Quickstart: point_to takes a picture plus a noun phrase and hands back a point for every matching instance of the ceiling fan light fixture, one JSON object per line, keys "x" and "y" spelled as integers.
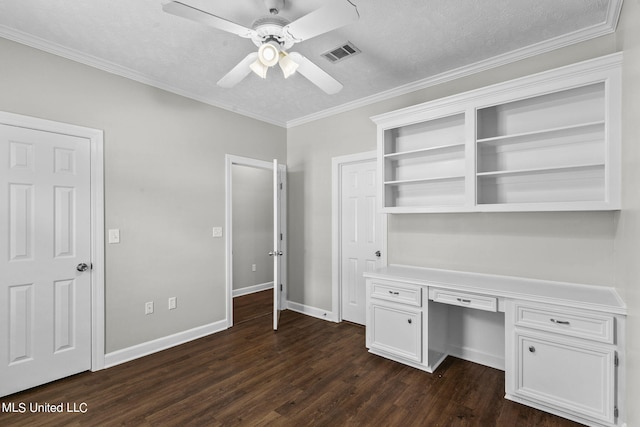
{"x": 259, "y": 68}
{"x": 287, "y": 65}
{"x": 269, "y": 54}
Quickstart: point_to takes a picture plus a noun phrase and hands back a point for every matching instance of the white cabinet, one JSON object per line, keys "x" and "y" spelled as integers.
{"x": 550, "y": 141}
{"x": 563, "y": 360}
{"x": 398, "y": 318}
{"x": 564, "y": 343}
{"x": 396, "y": 331}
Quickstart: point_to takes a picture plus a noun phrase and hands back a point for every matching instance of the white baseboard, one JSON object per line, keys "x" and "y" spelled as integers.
{"x": 476, "y": 356}
{"x": 312, "y": 311}
{"x": 126, "y": 354}
{"x": 251, "y": 289}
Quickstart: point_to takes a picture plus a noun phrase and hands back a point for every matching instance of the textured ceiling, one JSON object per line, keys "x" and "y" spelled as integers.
{"x": 404, "y": 44}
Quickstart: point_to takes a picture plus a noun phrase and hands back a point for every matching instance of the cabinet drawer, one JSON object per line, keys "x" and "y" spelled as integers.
{"x": 593, "y": 326}
{"x": 402, "y": 293}
{"x": 463, "y": 299}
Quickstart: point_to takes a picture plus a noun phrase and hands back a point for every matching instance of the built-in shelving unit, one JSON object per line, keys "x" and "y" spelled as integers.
{"x": 550, "y": 141}
{"x": 424, "y": 163}
{"x": 542, "y": 149}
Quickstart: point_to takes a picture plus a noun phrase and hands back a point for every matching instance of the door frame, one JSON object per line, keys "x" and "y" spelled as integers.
{"x": 230, "y": 160}
{"x": 96, "y": 148}
{"x": 337, "y": 163}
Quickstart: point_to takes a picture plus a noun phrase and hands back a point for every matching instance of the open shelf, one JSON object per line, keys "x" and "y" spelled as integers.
{"x": 444, "y": 191}
{"x": 550, "y": 141}
{"x": 584, "y": 183}
{"x": 417, "y": 181}
{"x": 426, "y": 151}
{"x": 563, "y": 131}
{"x": 556, "y": 110}
{"x": 542, "y": 170}
{"x": 431, "y": 134}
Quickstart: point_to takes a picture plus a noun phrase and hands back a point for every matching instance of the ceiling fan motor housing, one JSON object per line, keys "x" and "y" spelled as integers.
{"x": 270, "y": 28}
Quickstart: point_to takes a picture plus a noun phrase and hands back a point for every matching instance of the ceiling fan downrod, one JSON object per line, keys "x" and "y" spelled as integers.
{"x": 274, "y": 6}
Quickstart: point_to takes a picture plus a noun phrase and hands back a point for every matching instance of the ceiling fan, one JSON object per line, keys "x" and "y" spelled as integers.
{"x": 274, "y": 35}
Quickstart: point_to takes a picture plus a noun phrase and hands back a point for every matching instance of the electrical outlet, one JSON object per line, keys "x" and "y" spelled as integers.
{"x": 217, "y": 231}
{"x": 148, "y": 307}
{"x": 173, "y": 303}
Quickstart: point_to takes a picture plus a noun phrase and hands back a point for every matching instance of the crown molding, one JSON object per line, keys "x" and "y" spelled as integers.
{"x": 598, "y": 30}
{"x": 604, "y": 28}
{"x": 110, "y": 67}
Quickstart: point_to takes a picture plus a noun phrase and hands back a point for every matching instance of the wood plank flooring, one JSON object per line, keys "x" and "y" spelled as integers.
{"x": 309, "y": 372}
{"x": 253, "y": 305}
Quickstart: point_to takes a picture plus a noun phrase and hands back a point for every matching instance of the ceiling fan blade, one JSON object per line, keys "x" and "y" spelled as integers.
{"x": 315, "y": 74}
{"x": 185, "y": 11}
{"x": 334, "y": 14}
{"x": 238, "y": 72}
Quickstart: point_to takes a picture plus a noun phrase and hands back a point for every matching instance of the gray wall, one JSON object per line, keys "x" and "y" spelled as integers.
{"x": 164, "y": 185}
{"x": 252, "y": 225}
{"x": 554, "y": 246}
{"x": 627, "y": 243}
{"x": 588, "y": 247}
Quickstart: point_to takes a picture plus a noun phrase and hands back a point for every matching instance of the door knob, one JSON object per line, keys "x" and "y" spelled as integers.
{"x": 378, "y": 254}
{"x": 82, "y": 267}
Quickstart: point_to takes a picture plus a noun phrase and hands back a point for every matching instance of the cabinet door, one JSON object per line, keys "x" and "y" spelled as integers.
{"x": 573, "y": 377}
{"x": 396, "y": 331}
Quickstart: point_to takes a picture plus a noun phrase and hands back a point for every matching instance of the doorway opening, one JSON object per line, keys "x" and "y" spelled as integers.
{"x": 252, "y": 239}
{"x": 255, "y": 238}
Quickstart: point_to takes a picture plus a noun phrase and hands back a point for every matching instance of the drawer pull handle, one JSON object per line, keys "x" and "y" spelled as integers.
{"x": 465, "y": 301}
{"x": 560, "y": 322}
{"x": 394, "y": 293}
{"x": 532, "y": 349}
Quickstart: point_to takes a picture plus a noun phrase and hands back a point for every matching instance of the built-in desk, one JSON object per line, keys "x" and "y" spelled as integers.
{"x": 561, "y": 345}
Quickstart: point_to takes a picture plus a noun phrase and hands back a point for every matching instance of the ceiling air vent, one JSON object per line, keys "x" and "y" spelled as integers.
{"x": 340, "y": 53}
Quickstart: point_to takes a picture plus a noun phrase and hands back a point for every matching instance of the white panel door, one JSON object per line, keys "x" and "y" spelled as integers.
{"x": 45, "y": 306}
{"x": 278, "y": 253}
{"x": 361, "y": 235}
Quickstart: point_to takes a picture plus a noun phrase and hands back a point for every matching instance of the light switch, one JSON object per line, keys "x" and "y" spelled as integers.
{"x": 217, "y": 231}
{"x": 114, "y": 235}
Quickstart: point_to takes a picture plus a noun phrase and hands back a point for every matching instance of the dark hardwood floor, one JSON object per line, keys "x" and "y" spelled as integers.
{"x": 248, "y": 307}
{"x": 309, "y": 372}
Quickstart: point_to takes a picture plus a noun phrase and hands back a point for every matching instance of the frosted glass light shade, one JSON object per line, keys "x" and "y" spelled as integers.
{"x": 259, "y": 68}
{"x": 287, "y": 65}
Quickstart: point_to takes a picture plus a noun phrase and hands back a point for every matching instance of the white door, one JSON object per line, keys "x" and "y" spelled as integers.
{"x": 360, "y": 235}
{"x": 45, "y": 220}
{"x": 279, "y": 257}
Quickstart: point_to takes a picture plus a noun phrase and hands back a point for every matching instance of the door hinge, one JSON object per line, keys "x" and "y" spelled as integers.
{"x": 280, "y": 236}
{"x": 280, "y": 287}
{"x": 281, "y": 186}
{"x": 616, "y": 361}
{"x": 615, "y": 412}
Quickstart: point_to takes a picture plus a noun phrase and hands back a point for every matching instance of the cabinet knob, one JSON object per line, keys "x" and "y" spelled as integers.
{"x": 409, "y": 320}
{"x": 532, "y": 349}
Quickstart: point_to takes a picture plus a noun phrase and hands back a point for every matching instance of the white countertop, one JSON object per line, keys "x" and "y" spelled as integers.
{"x": 600, "y": 298}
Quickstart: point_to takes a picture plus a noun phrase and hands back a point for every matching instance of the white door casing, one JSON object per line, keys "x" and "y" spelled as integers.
{"x": 50, "y": 225}
{"x": 359, "y": 232}
{"x": 279, "y": 176}
{"x": 279, "y": 257}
